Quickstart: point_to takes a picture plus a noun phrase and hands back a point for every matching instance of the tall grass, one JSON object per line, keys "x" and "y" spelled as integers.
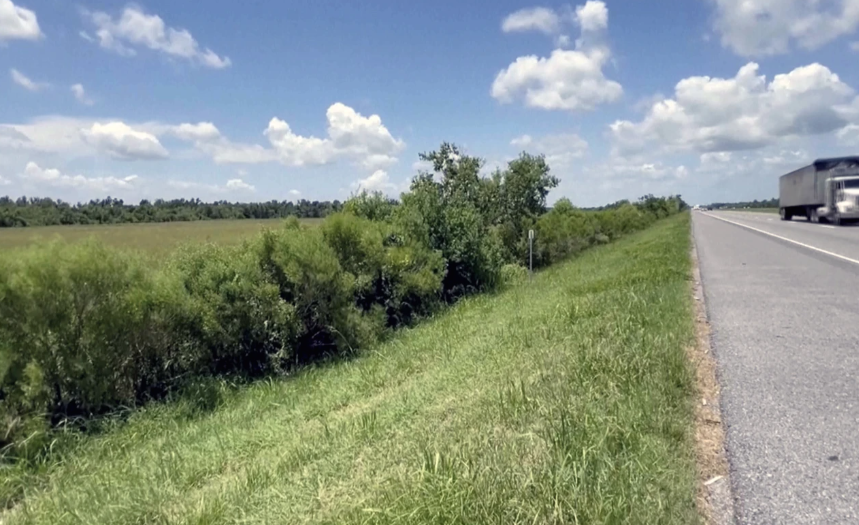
{"x": 566, "y": 400}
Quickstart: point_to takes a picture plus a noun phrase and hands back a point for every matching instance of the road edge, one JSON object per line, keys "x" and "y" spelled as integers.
{"x": 714, "y": 499}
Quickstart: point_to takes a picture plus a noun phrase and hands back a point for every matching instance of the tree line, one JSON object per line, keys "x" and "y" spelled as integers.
{"x": 768, "y": 203}
{"x": 48, "y": 212}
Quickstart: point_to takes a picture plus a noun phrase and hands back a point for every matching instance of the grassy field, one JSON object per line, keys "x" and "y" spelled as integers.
{"x": 150, "y": 237}
{"x": 566, "y": 400}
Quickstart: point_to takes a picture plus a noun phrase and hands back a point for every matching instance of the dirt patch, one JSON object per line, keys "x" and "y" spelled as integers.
{"x": 713, "y": 495}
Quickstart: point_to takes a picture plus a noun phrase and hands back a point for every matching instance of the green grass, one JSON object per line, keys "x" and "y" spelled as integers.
{"x": 150, "y": 237}
{"x": 567, "y": 400}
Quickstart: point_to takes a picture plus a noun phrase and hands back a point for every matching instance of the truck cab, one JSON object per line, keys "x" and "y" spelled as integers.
{"x": 842, "y": 199}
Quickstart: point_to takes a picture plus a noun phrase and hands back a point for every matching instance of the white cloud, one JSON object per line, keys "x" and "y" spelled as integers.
{"x": 202, "y": 132}
{"x": 560, "y": 150}
{"x": 378, "y": 181}
{"x": 80, "y": 94}
{"x": 17, "y": 23}
{"x": 568, "y": 80}
{"x": 231, "y": 186}
{"x": 744, "y": 112}
{"x": 25, "y": 82}
{"x": 4, "y": 181}
{"x": 571, "y": 80}
{"x": 540, "y": 19}
{"x": 239, "y": 184}
{"x": 593, "y": 16}
{"x": 365, "y": 140}
{"x": 136, "y": 28}
{"x": 120, "y": 141}
{"x": 854, "y": 46}
{"x": 524, "y": 140}
{"x": 770, "y": 27}
{"x": 52, "y": 177}
{"x": 849, "y": 135}
{"x": 295, "y": 193}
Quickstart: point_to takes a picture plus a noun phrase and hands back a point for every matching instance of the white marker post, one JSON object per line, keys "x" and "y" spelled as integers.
{"x": 530, "y": 254}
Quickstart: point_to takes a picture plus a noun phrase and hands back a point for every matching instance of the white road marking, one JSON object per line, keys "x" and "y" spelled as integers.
{"x": 808, "y": 246}
{"x": 825, "y": 226}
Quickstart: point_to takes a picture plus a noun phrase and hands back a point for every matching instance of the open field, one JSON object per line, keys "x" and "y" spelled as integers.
{"x": 150, "y": 237}
{"x": 566, "y": 400}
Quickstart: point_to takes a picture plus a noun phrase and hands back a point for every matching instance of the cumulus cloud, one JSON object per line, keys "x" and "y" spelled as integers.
{"x": 771, "y": 27}
{"x": 80, "y": 94}
{"x": 593, "y": 16}
{"x": 17, "y": 23}
{"x": 53, "y": 177}
{"x": 570, "y": 80}
{"x": 25, "y": 82}
{"x": 134, "y": 28}
{"x": 540, "y": 19}
{"x": 231, "y": 186}
{"x": 4, "y": 181}
{"x": 560, "y": 150}
{"x": 745, "y": 112}
{"x": 849, "y": 135}
{"x": 120, "y": 141}
{"x": 350, "y": 135}
{"x": 202, "y": 132}
{"x": 378, "y": 181}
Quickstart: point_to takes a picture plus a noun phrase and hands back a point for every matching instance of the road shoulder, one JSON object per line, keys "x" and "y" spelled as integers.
{"x": 714, "y": 489}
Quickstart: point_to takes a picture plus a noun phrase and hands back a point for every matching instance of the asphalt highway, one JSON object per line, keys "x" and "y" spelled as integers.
{"x": 783, "y": 302}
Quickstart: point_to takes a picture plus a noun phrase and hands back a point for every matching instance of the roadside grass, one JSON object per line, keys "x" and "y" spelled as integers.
{"x": 566, "y": 400}
{"x": 154, "y": 237}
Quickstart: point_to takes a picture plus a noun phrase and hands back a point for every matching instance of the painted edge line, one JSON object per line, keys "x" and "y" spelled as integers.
{"x": 807, "y": 246}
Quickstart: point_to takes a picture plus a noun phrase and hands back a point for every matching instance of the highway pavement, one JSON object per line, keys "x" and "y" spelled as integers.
{"x": 783, "y": 302}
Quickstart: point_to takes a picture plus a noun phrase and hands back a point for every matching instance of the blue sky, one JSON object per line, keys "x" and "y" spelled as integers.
{"x": 712, "y": 99}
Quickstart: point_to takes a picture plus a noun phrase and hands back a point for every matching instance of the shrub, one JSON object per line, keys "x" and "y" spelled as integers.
{"x": 84, "y": 328}
{"x": 374, "y": 206}
{"x": 403, "y": 278}
{"x": 308, "y": 275}
{"x": 235, "y": 319}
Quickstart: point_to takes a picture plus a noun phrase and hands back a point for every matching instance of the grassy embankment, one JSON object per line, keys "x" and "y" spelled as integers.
{"x": 567, "y": 400}
{"x": 157, "y": 238}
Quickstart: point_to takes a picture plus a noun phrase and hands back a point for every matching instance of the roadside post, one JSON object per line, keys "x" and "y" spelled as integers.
{"x": 530, "y": 255}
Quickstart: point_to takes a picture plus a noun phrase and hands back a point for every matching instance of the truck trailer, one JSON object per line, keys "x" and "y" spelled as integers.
{"x": 827, "y": 190}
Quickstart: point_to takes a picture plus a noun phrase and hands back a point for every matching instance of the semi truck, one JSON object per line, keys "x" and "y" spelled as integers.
{"x": 827, "y": 190}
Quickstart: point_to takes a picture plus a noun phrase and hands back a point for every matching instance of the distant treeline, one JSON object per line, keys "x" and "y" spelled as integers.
{"x": 46, "y": 211}
{"x": 769, "y": 203}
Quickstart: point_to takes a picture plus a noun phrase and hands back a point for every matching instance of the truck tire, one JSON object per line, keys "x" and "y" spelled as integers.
{"x": 836, "y": 219}
{"x": 784, "y": 214}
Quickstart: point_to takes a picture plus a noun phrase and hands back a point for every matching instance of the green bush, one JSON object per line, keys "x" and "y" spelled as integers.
{"x": 84, "y": 329}
{"x": 234, "y": 318}
{"x": 401, "y": 277}
{"x": 309, "y": 276}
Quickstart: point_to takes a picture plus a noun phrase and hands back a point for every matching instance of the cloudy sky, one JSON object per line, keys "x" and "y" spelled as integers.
{"x": 712, "y": 99}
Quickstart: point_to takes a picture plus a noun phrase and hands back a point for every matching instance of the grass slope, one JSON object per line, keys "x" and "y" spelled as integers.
{"x": 567, "y": 400}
